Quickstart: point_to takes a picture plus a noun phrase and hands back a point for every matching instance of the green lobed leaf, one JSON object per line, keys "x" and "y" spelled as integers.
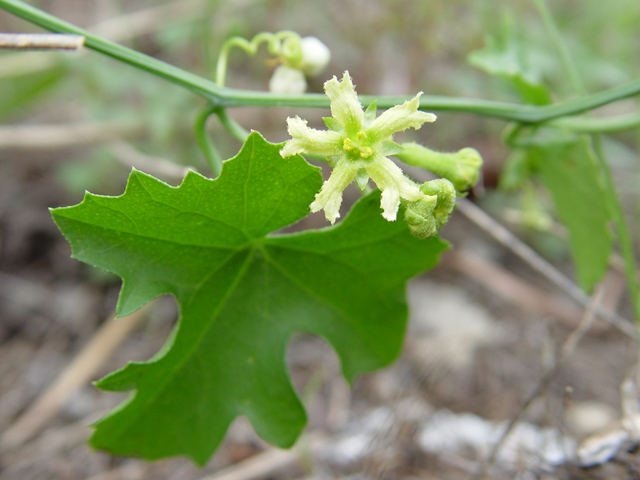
{"x": 242, "y": 293}
{"x": 569, "y": 170}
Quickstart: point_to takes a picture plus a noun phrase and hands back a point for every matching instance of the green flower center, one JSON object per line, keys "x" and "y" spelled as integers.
{"x": 356, "y": 147}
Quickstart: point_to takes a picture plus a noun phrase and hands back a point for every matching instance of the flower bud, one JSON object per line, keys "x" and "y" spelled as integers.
{"x": 446, "y": 194}
{"x": 287, "y": 80}
{"x": 424, "y": 217}
{"x": 461, "y": 168}
{"x": 420, "y": 219}
{"x": 315, "y": 55}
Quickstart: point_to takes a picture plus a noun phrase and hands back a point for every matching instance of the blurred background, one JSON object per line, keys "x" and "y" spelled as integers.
{"x": 484, "y": 326}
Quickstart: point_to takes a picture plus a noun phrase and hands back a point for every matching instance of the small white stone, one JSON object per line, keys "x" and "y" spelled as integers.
{"x": 447, "y": 327}
{"x": 458, "y": 432}
{"x": 601, "y": 447}
{"x": 585, "y": 418}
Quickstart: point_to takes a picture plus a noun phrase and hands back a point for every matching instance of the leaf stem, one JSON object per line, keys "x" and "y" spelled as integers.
{"x": 233, "y": 127}
{"x": 204, "y": 142}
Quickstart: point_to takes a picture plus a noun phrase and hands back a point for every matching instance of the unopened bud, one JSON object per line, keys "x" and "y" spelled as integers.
{"x": 446, "y": 194}
{"x": 315, "y": 55}
{"x": 425, "y": 217}
{"x": 420, "y": 219}
{"x": 286, "y": 80}
{"x": 462, "y": 168}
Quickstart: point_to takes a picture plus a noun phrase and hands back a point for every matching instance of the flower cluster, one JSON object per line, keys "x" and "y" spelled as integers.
{"x": 357, "y": 145}
{"x": 300, "y": 57}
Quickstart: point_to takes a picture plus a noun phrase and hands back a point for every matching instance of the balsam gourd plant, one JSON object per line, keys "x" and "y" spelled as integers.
{"x": 243, "y": 289}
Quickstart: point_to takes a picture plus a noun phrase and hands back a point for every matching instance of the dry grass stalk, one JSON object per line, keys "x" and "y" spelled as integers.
{"x": 539, "y": 264}
{"x": 83, "y": 367}
{"x": 40, "y": 41}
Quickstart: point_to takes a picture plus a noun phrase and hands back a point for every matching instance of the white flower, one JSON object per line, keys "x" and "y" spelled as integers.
{"x": 287, "y": 80}
{"x": 299, "y": 57}
{"x": 357, "y": 144}
{"x": 315, "y": 55}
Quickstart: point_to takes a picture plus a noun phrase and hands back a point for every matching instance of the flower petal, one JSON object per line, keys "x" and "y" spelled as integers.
{"x": 390, "y": 201}
{"x": 330, "y": 196}
{"x": 399, "y": 118}
{"x": 345, "y": 106}
{"x": 394, "y": 185}
{"x": 310, "y": 140}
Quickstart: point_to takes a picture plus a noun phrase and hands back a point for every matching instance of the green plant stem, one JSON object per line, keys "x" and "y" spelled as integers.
{"x": 507, "y": 111}
{"x": 273, "y": 41}
{"x": 233, "y": 127}
{"x": 227, "y": 97}
{"x": 204, "y": 142}
{"x": 598, "y": 125}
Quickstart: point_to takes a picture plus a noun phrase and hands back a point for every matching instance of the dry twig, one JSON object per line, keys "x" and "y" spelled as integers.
{"x": 511, "y": 287}
{"x": 539, "y": 264}
{"x": 119, "y": 29}
{"x": 83, "y": 367}
{"x": 40, "y": 41}
{"x": 263, "y": 465}
{"x": 566, "y": 350}
{"x": 46, "y": 137}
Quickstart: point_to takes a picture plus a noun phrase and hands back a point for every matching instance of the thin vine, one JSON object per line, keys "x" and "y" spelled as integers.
{"x": 228, "y": 97}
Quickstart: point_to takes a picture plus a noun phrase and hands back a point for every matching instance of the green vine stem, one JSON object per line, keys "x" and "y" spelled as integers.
{"x": 214, "y": 160}
{"x": 227, "y": 97}
{"x": 598, "y": 125}
{"x": 231, "y": 125}
{"x": 274, "y": 43}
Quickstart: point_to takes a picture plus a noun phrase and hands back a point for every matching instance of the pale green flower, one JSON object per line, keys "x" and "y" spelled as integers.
{"x": 356, "y": 145}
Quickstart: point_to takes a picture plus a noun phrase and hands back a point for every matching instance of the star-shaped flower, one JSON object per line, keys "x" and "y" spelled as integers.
{"x": 357, "y": 145}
